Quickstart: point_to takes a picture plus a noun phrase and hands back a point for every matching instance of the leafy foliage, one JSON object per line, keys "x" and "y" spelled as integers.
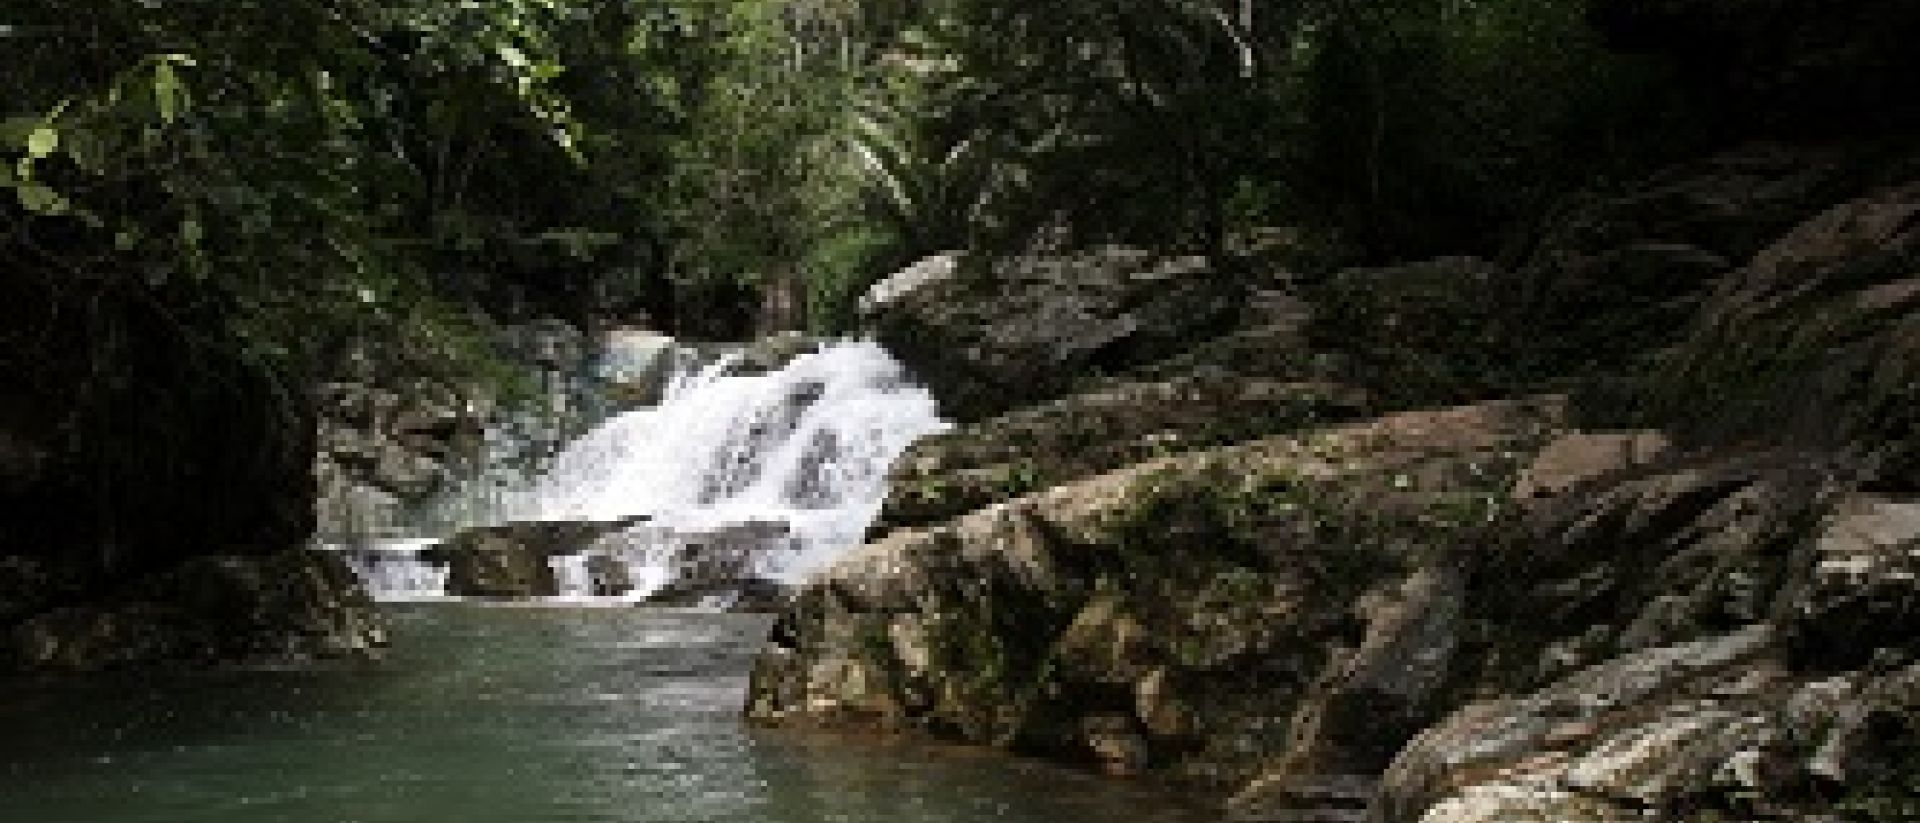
{"x": 300, "y": 175}
{"x": 1408, "y": 128}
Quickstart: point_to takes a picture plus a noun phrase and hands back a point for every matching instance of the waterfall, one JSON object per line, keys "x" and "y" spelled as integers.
{"x": 393, "y": 570}
{"x": 742, "y": 469}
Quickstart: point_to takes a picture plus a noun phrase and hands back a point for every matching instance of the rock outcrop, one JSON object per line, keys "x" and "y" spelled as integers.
{"x": 1035, "y": 326}
{"x": 296, "y": 607}
{"x": 1284, "y": 608}
{"x": 1086, "y": 434}
{"x": 1614, "y": 279}
{"x": 1710, "y": 641}
{"x": 515, "y": 560}
{"x": 1691, "y": 593}
{"x": 396, "y": 437}
{"x": 155, "y": 489}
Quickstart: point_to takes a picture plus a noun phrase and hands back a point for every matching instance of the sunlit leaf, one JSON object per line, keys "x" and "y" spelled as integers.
{"x": 39, "y": 199}
{"x": 166, "y": 91}
{"x": 44, "y": 141}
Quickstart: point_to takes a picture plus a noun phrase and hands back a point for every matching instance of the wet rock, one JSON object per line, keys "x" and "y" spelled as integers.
{"x": 1863, "y": 592}
{"x": 1029, "y": 331}
{"x": 1586, "y": 456}
{"x": 607, "y": 577}
{"x": 774, "y": 352}
{"x": 294, "y": 607}
{"x": 1273, "y": 609}
{"x": 513, "y": 560}
{"x": 1098, "y": 431}
{"x": 1722, "y": 621}
{"x": 384, "y": 443}
{"x": 152, "y": 484}
{"x": 399, "y": 440}
{"x": 638, "y": 366}
{"x": 1392, "y": 620}
{"x": 1721, "y": 724}
{"x": 892, "y": 289}
{"x": 1116, "y": 743}
{"x": 724, "y": 563}
{"x": 1640, "y": 731}
{"x": 1816, "y": 340}
{"x": 752, "y": 594}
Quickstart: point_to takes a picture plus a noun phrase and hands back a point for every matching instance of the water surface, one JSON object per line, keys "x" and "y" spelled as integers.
{"x": 485, "y": 714}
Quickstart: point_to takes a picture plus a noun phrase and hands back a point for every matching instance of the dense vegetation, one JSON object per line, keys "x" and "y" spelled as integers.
{"x": 351, "y": 168}
{"x": 334, "y": 168}
{"x": 308, "y": 172}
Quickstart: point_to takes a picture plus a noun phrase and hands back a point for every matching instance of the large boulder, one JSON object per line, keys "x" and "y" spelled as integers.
{"x": 515, "y": 560}
{"x": 1032, "y": 327}
{"x": 155, "y": 485}
{"x": 402, "y": 439}
{"x": 1098, "y": 431}
{"x": 1286, "y": 610}
{"x": 1728, "y": 639}
{"x": 293, "y": 607}
{"x": 1613, "y": 278}
{"x": 893, "y": 288}
{"x": 1815, "y": 340}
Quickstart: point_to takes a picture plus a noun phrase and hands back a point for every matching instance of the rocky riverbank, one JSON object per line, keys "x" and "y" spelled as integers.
{"x": 156, "y": 489}
{"x": 1627, "y": 527}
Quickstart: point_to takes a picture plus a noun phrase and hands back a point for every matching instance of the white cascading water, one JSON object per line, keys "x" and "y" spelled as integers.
{"x": 784, "y": 469}
{"x": 395, "y": 572}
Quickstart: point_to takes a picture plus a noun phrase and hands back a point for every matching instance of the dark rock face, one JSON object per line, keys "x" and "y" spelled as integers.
{"x": 292, "y": 607}
{"x": 1816, "y": 338}
{"x": 1240, "y": 375}
{"x": 1035, "y": 325}
{"x": 111, "y": 449}
{"x": 155, "y": 480}
{"x": 1613, "y": 279}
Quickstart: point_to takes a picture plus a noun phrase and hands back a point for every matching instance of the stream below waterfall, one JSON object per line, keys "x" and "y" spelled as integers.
{"x": 501, "y": 715}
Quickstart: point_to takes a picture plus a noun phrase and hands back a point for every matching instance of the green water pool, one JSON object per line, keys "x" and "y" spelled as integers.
{"x": 515, "y": 715}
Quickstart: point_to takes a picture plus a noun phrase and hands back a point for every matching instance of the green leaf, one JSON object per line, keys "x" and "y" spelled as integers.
{"x": 44, "y": 141}
{"x": 191, "y": 232}
{"x": 39, "y": 199}
{"x": 166, "y": 91}
{"x": 14, "y": 130}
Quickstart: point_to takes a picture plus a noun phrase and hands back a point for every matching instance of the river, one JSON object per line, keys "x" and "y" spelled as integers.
{"x": 510, "y": 714}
